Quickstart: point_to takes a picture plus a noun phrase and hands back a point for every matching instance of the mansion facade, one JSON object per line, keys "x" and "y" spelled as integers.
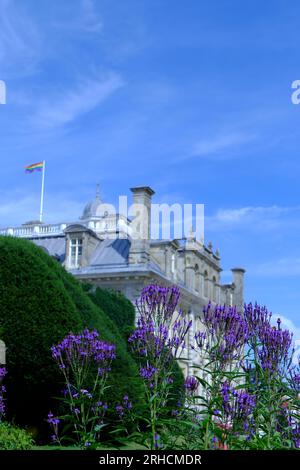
{"x": 99, "y": 249}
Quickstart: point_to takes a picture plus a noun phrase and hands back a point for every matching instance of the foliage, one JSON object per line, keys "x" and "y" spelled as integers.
{"x": 248, "y": 396}
{"x": 35, "y": 310}
{"x": 40, "y": 303}
{"x": 245, "y": 394}
{"x": 14, "y": 438}
{"x": 85, "y": 362}
{"x": 158, "y": 339}
{"x": 116, "y": 306}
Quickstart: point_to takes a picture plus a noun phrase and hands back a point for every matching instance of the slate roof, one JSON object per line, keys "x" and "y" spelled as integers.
{"x": 54, "y": 246}
{"x": 111, "y": 252}
{"x": 110, "y": 255}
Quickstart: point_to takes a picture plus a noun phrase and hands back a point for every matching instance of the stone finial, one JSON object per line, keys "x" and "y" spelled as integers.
{"x": 191, "y": 233}
{"x": 210, "y": 246}
{"x": 217, "y": 253}
{"x": 98, "y": 191}
{"x": 238, "y": 285}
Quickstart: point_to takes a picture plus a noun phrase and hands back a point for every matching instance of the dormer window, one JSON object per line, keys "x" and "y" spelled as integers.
{"x": 75, "y": 252}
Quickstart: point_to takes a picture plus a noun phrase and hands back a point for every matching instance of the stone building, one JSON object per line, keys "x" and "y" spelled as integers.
{"x": 100, "y": 249}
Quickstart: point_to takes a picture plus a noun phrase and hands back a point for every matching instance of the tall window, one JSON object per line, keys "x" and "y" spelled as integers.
{"x": 75, "y": 252}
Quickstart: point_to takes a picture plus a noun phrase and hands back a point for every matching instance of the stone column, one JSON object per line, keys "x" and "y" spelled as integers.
{"x": 238, "y": 288}
{"x": 141, "y": 225}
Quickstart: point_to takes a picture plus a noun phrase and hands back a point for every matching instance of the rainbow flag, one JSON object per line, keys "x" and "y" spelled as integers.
{"x": 34, "y": 167}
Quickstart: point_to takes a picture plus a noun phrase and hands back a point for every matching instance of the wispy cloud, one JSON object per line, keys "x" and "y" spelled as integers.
{"x": 280, "y": 267}
{"x": 91, "y": 20}
{"x": 87, "y": 95}
{"x": 262, "y": 217}
{"x": 86, "y": 19}
{"x": 14, "y": 206}
{"x": 220, "y": 146}
{"x": 19, "y": 39}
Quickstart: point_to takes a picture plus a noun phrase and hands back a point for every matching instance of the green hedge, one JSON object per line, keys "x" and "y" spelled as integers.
{"x": 39, "y": 304}
{"x": 116, "y": 306}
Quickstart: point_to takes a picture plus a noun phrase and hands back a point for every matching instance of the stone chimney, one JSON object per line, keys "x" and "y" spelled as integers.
{"x": 141, "y": 225}
{"x": 238, "y": 292}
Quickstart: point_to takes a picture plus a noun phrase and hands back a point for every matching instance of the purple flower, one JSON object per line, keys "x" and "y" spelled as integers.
{"x": 191, "y": 384}
{"x": 53, "y": 422}
{"x": 83, "y": 348}
{"x": 200, "y": 338}
{"x": 294, "y": 378}
{"x": 158, "y": 339}
{"x": 257, "y": 317}
{"x": 226, "y": 333}
{"x": 147, "y": 372}
{"x": 274, "y": 348}
{"x": 51, "y": 419}
{"x": 120, "y": 410}
{"x": 2, "y": 391}
{"x": 238, "y": 405}
{"x": 161, "y": 330}
{"x": 86, "y": 393}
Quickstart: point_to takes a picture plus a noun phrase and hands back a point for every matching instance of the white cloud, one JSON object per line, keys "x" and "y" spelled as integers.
{"x": 91, "y": 21}
{"x": 86, "y": 19}
{"x": 220, "y": 144}
{"x": 250, "y": 212}
{"x": 65, "y": 107}
{"x": 19, "y": 39}
{"x": 288, "y": 266}
{"x": 13, "y": 208}
{"x": 253, "y": 217}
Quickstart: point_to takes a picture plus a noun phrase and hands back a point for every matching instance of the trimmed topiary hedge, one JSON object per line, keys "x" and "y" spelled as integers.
{"x": 39, "y": 304}
{"x": 116, "y": 306}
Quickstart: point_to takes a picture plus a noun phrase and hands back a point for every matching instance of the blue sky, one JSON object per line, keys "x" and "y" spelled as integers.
{"x": 193, "y": 99}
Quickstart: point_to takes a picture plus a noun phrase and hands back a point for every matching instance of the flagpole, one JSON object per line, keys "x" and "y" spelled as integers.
{"x": 42, "y": 192}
